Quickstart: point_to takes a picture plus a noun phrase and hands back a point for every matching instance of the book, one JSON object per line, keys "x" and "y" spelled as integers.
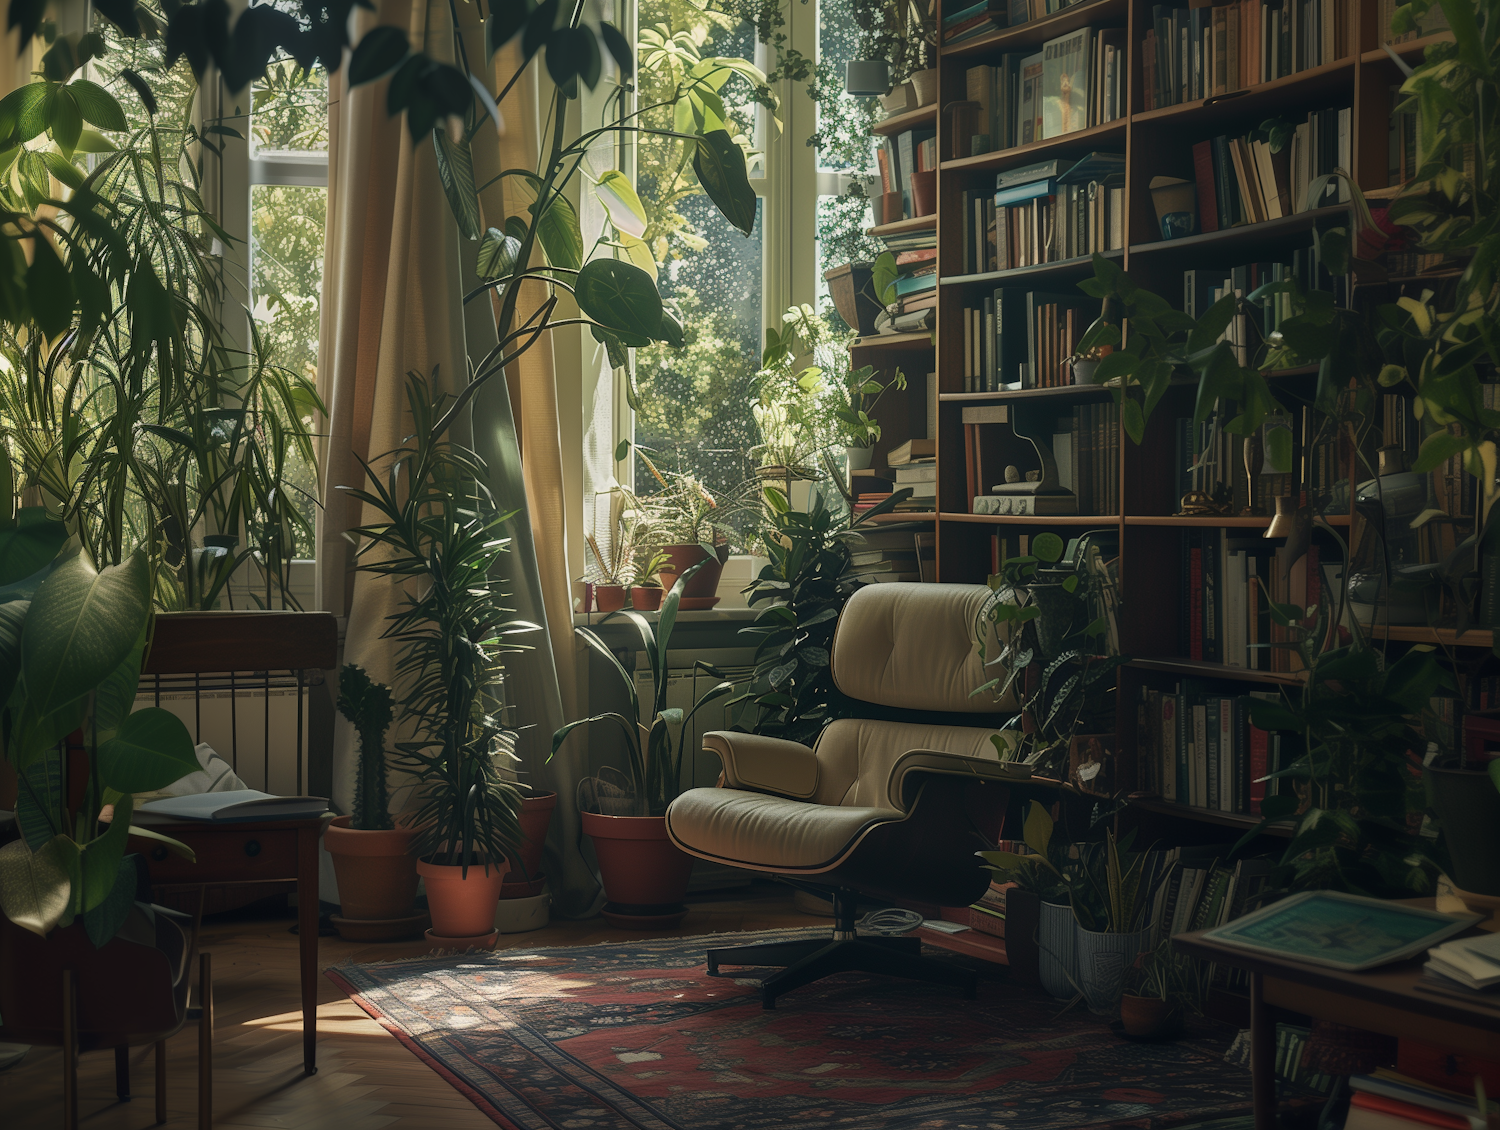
{"x": 1029, "y": 110}
{"x": 1067, "y": 70}
{"x": 235, "y": 806}
{"x": 911, "y": 451}
{"x": 1473, "y": 962}
{"x": 1376, "y": 1112}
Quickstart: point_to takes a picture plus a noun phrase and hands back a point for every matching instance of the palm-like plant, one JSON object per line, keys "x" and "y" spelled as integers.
{"x": 653, "y": 746}
{"x": 439, "y": 534}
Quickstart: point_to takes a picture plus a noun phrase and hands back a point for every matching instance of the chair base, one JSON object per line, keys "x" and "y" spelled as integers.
{"x": 804, "y": 962}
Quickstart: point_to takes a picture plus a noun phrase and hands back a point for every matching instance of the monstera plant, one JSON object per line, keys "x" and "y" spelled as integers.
{"x": 72, "y": 638}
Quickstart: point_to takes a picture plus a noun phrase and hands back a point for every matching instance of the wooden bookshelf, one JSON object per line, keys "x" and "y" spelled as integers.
{"x": 1153, "y": 142}
{"x": 909, "y": 119}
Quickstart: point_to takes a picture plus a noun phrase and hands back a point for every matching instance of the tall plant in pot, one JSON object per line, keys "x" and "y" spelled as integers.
{"x": 645, "y": 874}
{"x": 377, "y": 874}
{"x": 438, "y": 534}
{"x": 689, "y": 524}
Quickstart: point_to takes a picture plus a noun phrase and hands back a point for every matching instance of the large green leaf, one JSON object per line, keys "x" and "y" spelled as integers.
{"x": 97, "y": 105}
{"x": 12, "y": 616}
{"x": 619, "y": 296}
{"x": 34, "y": 886}
{"x": 116, "y": 694}
{"x": 379, "y": 51}
{"x": 103, "y": 922}
{"x": 151, "y": 750}
{"x": 101, "y": 856}
{"x": 81, "y": 626}
{"x": 619, "y": 198}
{"x": 720, "y": 165}
{"x": 562, "y": 238}
{"x": 497, "y": 254}
{"x": 455, "y": 165}
{"x": 30, "y": 544}
{"x": 35, "y": 731}
{"x": 39, "y": 800}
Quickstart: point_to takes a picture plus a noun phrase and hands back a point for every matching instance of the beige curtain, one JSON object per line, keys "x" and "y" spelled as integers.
{"x": 395, "y": 271}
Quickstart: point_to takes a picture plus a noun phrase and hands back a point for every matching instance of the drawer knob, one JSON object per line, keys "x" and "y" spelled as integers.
{"x": 252, "y": 848}
{"x": 158, "y": 853}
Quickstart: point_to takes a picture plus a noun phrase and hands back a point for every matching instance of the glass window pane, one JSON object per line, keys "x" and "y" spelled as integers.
{"x": 844, "y": 139}
{"x": 289, "y": 109}
{"x": 286, "y": 288}
{"x": 694, "y": 411}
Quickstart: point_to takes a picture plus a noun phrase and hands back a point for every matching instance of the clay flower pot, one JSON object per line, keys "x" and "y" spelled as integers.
{"x": 1149, "y": 1016}
{"x": 609, "y": 598}
{"x": 645, "y": 874}
{"x": 462, "y": 906}
{"x": 376, "y": 872}
{"x": 528, "y": 880}
{"x": 646, "y": 598}
{"x": 704, "y": 585}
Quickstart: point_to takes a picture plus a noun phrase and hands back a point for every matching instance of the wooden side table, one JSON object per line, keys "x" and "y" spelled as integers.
{"x": 1394, "y": 1000}
{"x": 251, "y": 852}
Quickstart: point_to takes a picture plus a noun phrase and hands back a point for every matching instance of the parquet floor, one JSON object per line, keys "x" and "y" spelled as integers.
{"x": 365, "y": 1080}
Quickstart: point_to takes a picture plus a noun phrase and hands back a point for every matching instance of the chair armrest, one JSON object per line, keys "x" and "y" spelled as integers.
{"x": 765, "y": 765}
{"x": 911, "y": 767}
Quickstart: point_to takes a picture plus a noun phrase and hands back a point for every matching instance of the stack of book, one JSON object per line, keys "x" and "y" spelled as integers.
{"x": 975, "y": 19}
{"x": 1468, "y": 963}
{"x": 1388, "y": 1100}
{"x": 1074, "y": 82}
{"x": 1205, "y": 50}
{"x": 915, "y": 306}
{"x": 1200, "y": 749}
{"x": 885, "y": 555}
{"x": 921, "y": 476}
{"x": 898, "y": 157}
{"x": 1046, "y": 212}
{"x": 1240, "y": 180}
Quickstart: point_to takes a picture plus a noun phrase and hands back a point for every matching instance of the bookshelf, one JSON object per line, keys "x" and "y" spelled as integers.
{"x": 1150, "y": 532}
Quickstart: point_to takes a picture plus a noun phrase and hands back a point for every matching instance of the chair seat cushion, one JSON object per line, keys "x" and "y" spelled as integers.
{"x": 766, "y": 832}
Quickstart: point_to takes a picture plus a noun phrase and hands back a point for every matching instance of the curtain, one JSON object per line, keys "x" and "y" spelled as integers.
{"x": 395, "y": 272}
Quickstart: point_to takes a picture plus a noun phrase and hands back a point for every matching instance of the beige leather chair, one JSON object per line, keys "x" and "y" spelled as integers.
{"x": 886, "y": 808}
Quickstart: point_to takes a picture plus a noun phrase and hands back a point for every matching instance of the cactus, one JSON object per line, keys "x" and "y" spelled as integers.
{"x": 367, "y": 704}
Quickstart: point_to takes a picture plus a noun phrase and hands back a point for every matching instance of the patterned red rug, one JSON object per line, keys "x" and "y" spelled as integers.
{"x": 638, "y": 1037}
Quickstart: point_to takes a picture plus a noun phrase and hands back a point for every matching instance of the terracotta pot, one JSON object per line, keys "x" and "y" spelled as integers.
{"x": 462, "y": 906}
{"x": 535, "y": 816}
{"x": 925, "y": 84}
{"x": 1148, "y": 1016}
{"x": 705, "y": 582}
{"x": 640, "y": 866}
{"x": 646, "y": 598}
{"x": 923, "y": 193}
{"x": 609, "y": 598}
{"x": 376, "y": 872}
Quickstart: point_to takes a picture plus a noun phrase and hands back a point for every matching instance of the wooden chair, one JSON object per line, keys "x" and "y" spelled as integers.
{"x": 60, "y": 991}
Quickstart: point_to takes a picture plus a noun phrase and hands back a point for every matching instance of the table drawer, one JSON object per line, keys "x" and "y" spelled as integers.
{"x": 225, "y": 855}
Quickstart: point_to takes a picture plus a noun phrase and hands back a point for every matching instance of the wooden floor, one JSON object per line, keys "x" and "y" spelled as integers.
{"x": 365, "y": 1080}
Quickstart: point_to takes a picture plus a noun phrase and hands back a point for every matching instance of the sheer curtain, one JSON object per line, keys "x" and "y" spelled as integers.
{"x": 395, "y": 274}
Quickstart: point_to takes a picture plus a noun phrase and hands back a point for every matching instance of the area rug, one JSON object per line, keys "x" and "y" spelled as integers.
{"x": 637, "y": 1036}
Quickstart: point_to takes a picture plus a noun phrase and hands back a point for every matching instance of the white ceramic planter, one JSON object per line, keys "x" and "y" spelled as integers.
{"x": 516, "y": 916}
{"x": 1055, "y": 964}
{"x": 859, "y": 457}
{"x": 925, "y": 84}
{"x": 1102, "y": 960}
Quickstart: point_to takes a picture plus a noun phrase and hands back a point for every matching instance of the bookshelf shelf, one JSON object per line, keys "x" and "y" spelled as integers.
{"x": 900, "y": 123}
{"x": 1032, "y": 519}
{"x": 1410, "y": 50}
{"x": 901, "y": 227}
{"x": 893, "y": 341}
{"x": 1079, "y": 265}
{"x": 1197, "y": 669}
{"x": 1061, "y": 392}
{"x": 905, "y": 516}
{"x": 1185, "y": 521}
{"x": 1290, "y": 92}
{"x": 1109, "y": 135}
{"x": 1037, "y": 32}
{"x": 974, "y": 943}
{"x": 1449, "y": 637}
{"x": 1282, "y": 828}
{"x": 1240, "y": 240}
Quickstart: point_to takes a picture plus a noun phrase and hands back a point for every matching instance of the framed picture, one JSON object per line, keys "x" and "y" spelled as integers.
{"x": 1091, "y": 762}
{"x": 1341, "y": 931}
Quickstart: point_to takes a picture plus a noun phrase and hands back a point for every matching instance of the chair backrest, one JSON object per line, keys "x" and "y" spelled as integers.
{"x": 914, "y": 647}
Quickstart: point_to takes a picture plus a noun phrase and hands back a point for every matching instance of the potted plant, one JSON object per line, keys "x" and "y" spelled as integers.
{"x": 646, "y": 594}
{"x": 1050, "y": 628}
{"x": 900, "y": 37}
{"x": 645, "y": 874}
{"x": 1160, "y": 988}
{"x": 1039, "y": 952}
{"x": 688, "y": 524}
{"x": 438, "y": 533}
{"x": 854, "y": 398}
{"x": 377, "y": 875}
{"x": 1467, "y": 802}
